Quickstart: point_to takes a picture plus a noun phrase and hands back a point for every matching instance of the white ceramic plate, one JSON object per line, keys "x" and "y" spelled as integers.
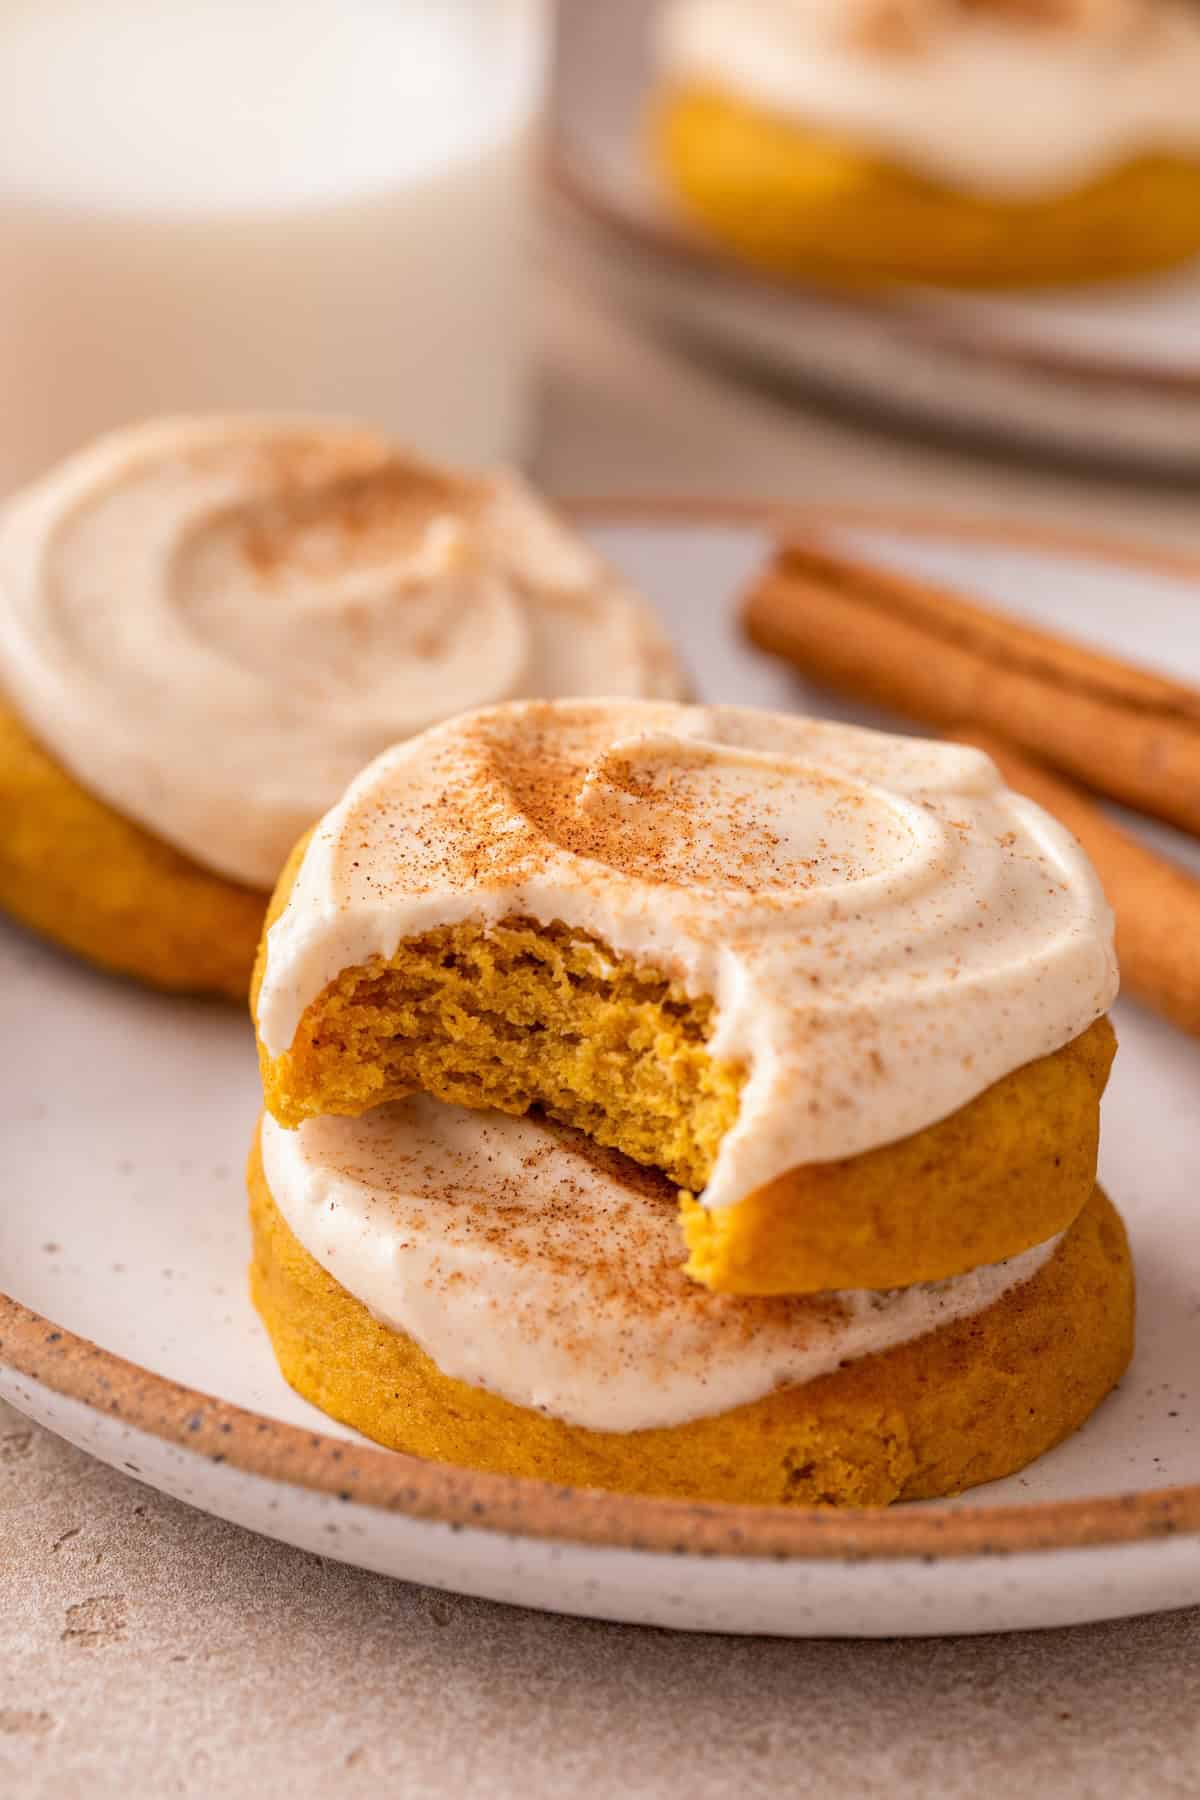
{"x": 1108, "y": 373}
{"x": 126, "y": 1118}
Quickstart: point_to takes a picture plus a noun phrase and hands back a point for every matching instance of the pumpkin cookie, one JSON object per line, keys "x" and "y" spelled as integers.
{"x": 208, "y": 625}
{"x": 844, "y": 989}
{"x": 872, "y": 140}
{"x": 497, "y": 1293}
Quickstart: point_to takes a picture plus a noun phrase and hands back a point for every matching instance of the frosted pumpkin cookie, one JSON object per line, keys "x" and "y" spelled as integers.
{"x": 497, "y": 1293}
{"x": 845, "y": 990}
{"x": 946, "y": 141}
{"x": 208, "y": 625}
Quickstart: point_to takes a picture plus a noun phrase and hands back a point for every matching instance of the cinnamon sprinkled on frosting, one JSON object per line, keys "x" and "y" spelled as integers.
{"x": 214, "y": 623}
{"x": 885, "y": 929}
{"x": 936, "y": 85}
{"x": 525, "y": 1261}
{"x": 908, "y": 24}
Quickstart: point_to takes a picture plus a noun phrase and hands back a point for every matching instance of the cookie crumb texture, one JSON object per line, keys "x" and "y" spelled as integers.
{"x": 95, "y": 883}
{"x": 966, "y": 1404}
{"x": 513, "y": 1016}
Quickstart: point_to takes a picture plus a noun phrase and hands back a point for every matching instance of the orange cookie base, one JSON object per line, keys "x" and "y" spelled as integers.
{"x": 1009, "y": 1170}
{"x": 95, "y": 883}
{"x": 798, "y": 202}
{"x": 969, "y": 1403}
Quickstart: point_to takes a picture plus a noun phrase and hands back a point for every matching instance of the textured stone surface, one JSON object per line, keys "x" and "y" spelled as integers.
{"x": 148, "y": 1650}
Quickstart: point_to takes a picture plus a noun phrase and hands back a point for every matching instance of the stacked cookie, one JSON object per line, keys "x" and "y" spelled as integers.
{"x": 208, "y": 625}
{"x": 690, "y": 1101}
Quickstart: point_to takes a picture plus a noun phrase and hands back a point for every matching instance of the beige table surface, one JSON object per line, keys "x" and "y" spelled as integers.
{"x": 147, "y": 1650}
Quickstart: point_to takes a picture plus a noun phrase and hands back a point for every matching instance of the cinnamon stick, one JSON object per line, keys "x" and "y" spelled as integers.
{"x": 1157, "y": 903}
{"x": 922, "y": 650}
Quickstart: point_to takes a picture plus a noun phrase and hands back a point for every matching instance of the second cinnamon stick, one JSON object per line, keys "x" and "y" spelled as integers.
{"x": 923, "y": 651}
{"x": 1157, "y": 904}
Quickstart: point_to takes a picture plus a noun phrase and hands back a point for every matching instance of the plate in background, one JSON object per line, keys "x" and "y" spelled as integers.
{"x": 126, "y": 1118}
{"x": 1108, "y": 374}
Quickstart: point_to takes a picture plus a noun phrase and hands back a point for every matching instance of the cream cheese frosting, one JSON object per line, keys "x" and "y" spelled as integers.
{"x": 884, "y": 927}
{"x": 213, "y": 623}
{"x": 526, "y": 1262}
{"x": 993, "y": 98}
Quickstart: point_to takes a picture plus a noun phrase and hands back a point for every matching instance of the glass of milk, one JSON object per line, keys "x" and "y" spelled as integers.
{"x": 298, "y": 205}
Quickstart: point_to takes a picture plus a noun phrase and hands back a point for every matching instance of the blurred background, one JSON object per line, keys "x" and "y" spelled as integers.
{"x": 635, "y": 247}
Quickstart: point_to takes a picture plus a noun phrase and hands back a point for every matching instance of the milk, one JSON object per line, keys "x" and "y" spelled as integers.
{"x": 314, "y": 205}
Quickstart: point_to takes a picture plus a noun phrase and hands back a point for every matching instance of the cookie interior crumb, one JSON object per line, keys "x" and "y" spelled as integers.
{"x": 516, "y": 1015}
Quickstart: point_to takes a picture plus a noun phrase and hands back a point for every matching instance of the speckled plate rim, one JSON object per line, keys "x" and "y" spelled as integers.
{"x": 365, "y": 1475}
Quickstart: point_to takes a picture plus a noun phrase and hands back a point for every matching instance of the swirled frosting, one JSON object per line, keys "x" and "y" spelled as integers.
{"x": 524, "y": 1261}
{"x": 214, "y": 623}
{"x": 1015, "y": 100}
{"x": 885, "y": 928}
